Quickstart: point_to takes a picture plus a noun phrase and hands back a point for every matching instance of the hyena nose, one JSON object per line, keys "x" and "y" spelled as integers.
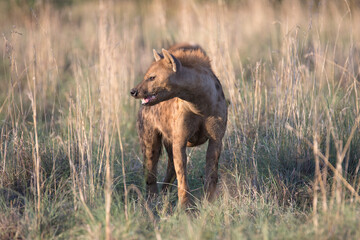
{"x": 134, "y": 92}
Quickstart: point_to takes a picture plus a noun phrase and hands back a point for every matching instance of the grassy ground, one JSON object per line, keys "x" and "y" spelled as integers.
{"x": 71, "y": 166}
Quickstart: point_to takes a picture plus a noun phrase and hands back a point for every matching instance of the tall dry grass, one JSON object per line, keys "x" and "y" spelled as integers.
{"x": 70, "y": 160}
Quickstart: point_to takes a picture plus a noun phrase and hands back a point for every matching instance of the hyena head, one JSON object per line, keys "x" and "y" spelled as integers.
{"x": 159, "y": 82}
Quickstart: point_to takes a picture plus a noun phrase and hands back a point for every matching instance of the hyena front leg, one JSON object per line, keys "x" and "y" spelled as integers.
{"x": 211, "y": 169}
{"x": 179, "y": 151}
{"x": 151, "y": 146}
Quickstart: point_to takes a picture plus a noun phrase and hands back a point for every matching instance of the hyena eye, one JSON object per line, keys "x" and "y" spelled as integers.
{"x": 151, "y": 78}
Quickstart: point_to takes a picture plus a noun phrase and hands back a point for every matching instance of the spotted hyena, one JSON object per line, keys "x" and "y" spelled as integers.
{"x": 183, "y": 105}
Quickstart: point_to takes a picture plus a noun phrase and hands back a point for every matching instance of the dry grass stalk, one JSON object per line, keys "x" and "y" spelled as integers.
{"x": 36, "y": 155}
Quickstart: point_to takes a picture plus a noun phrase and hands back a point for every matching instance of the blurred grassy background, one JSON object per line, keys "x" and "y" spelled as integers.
{"x": 68, "y": 145}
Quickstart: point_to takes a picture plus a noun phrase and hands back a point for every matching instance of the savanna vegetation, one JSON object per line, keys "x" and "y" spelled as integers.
{"x": 70, "y": 159}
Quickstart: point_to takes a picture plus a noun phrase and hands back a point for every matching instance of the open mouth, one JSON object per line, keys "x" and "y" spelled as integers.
{"x": 148, "y": 99}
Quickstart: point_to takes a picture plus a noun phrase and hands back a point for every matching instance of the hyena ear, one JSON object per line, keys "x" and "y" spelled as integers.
{"x": 157, "y": 56}
{"x": 174, "y": 63}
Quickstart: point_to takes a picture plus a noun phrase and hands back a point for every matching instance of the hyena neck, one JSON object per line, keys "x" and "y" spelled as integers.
{"x": 195, "y": 90}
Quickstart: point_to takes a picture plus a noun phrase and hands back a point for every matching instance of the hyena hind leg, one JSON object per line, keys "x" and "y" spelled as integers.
{"x": 151, "y": 146}
{"x": 211, "y": 169}
{"x": 170, "y": 171}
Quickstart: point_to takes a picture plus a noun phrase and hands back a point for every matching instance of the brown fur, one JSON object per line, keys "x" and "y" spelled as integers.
{"x": 184, "y": 106}
{"x": 192, "y": 59}
{"x": 186, "y": 47}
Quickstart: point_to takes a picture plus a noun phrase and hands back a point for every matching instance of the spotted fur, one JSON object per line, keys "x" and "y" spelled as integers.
{"x": 183, "y": 106}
